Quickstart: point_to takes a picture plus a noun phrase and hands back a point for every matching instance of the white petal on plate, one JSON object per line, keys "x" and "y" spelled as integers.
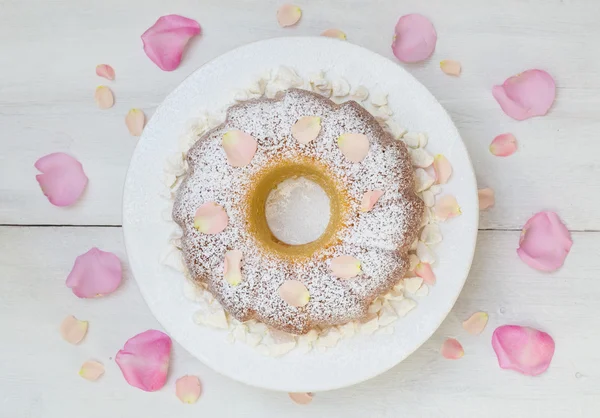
{"x": 340, "y": 87}
{"x": 175, "y": 164}
{"x": 431, "y": 234}
{"x": 428, "y": 198}
{"x": 411, "y": 139}
{"x": 413, "y": 262}
{"x": 348, "y": 330}
{"x": 404, "y": 306}
{"x": 394, "y": 129}
{"x": 360, "y": 94}
{"x": 420, "y": 157}
{"x": 436, "y": 189}
{"x": 422, "y": 180}
{"x": 387, "y": 315}
{"x": 379, "y": 99}
{"x": 424, "y": 253}
{"x": 370, "y": 326}
{"x": 212, "y": 315}
{"x": 423, "y": 291}
{"x": 412, "y": 284}
{"x": 171, "y": 257}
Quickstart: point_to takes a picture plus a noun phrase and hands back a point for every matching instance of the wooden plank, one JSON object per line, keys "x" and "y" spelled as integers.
{"x": 50, "y": 51}
{"x": 39, "y": 370}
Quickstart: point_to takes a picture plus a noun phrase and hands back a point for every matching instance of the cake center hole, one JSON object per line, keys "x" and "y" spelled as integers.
{"x": 297, "y": 211}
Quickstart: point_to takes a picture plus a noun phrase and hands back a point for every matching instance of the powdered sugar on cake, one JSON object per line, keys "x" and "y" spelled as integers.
{"x": 372, "y": 239}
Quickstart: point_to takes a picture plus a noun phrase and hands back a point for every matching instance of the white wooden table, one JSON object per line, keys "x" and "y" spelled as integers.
{"x": 48, "y": 52}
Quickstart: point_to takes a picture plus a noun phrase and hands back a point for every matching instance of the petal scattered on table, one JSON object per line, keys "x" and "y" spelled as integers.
{"x": 95, "y": 273}
{"x": 62, "y": 180}
{"x": 523, "y": 349}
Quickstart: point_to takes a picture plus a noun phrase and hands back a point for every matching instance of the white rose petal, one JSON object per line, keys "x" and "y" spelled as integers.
{"x": 193, "y": 292}
{"x": 423, "y": 291}
{"x": 422, "y": 180}
{"x": 174, "y": 164}
{"x": 375, "y": 306}
{"x": 387, "y": 315}
{"x": 423, "y": 139}
{"x": 413, "y": 246}
{"x": 379, "y": 99}
{"x": 431, "y": 234}
{"x": 370, "y": 327}
{"x": 420, "y": 157}
{"x": 211, "y": 315}
{"x": 394, "y": 129}
{"x": 360, "y": 94}
{"x": 340, "y": 87}
{"x": 404, "y": 306}
{"x": 253, "y": 339}
{"x": 348, "y": 330}
{"x": 329, "y": 339}
{"x": 424, "y": 253}
{"x": 428, "y": 198}
{"x": 412, "y": 284}
{"x": 411, "y": 139}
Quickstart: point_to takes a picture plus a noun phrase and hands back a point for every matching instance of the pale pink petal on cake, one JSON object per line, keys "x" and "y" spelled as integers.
{"x": 301, "y": 398}
{"x": 165, "y": 41}
{"x": 239, "y": 147}
{"x": 446, "y": 207}
{"x": 294, "y": 293}
{"x": 106, "y": 71}
{"x": 486, "y": 198}
{"x": 523, "y": 349}
{"x": 442, "y": 168}
{"x": 451, "y": 67}
{"x": 232, "y": 271}
{"x": 424, "y": 271}
{"x": 369, "y": 199}
{"x": 144, "y": 360}
{"x": 95, "y": 273}
{"x": 355, "y": 147}
{"x": 91, "y": 370}
{"x": 476, "y": 323}
{"x": 452, "y": 349}
{"x": 135, "y": 121}
{"x": 306, "y": 129}
{"x": 73, "y": 330}
{"x": 504, "y": 145}
{"x": 530, "y": 93}
{"x": 188, "y": 389}
{"x": 104, "y": 97}
{"x": 211, "y": 218}
{"x": 62, "y": 180}
{"x": 414, "y": 38}
{"x": 288, "y": 15}
{"x": 345, "y": 267}
{"x": 545, "y": 242}
{"x": 334, "y": 33}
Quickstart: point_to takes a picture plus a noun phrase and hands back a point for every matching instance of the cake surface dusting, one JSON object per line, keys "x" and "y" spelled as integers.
{"x": 380, "y": 239}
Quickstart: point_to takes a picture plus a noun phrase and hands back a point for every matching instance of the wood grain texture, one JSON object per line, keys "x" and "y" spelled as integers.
{"x": 39, "y": 372}
{"x": 50, "y": 50}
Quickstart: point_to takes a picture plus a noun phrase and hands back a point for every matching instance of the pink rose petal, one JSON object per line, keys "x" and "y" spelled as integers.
{"x": 73, "y": 330}
{"x": 294, "y": 293}
{"x": 306, "y": 129}
{"x": 334, "y": 33}
{"x": 355, "y": 147}
{"x": 62, "y": 179}
{"x": 288, "y": 15}
{"x": 414, "y": 38}
{"x": 301, "y": 398}
{"x": 144, "y": 360}
{"x": 530, "y": 93}
{"x": 369, "y": 199}
{"x": 188, "y": 389}
{"x": 486, "y": 198}
{"x": 211, "y": 218}
{"x": 345, "y": 267}
{"x": 545, "y": 242}
{"x": 106, "y": 71}
{"x": 452, "y": 350}
{"x": 95, "y": 273}
{"x": 504, "y": 145}
{"x": 446, "y": 207}
{"x": 442, "y": 168}
{"x": 91, "y": 370}
{"x": 451, "y": 67}
{"x": 424, "y": 271}
{"x": 523, "y": 349}
{"x": 239, "y": 147}
{"x": 232, "y": 271}
{"x": 104, "y": 97}
{"x": 135, "y": 121}
{"x": 476, "y": 323}
{"x": 165, "y": 41}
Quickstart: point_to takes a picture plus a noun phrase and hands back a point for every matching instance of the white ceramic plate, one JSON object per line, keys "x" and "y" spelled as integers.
{"x": 211, "y": 87}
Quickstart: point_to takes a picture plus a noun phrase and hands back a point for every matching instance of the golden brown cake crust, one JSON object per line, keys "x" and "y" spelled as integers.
{"x": 380, "y": 239}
